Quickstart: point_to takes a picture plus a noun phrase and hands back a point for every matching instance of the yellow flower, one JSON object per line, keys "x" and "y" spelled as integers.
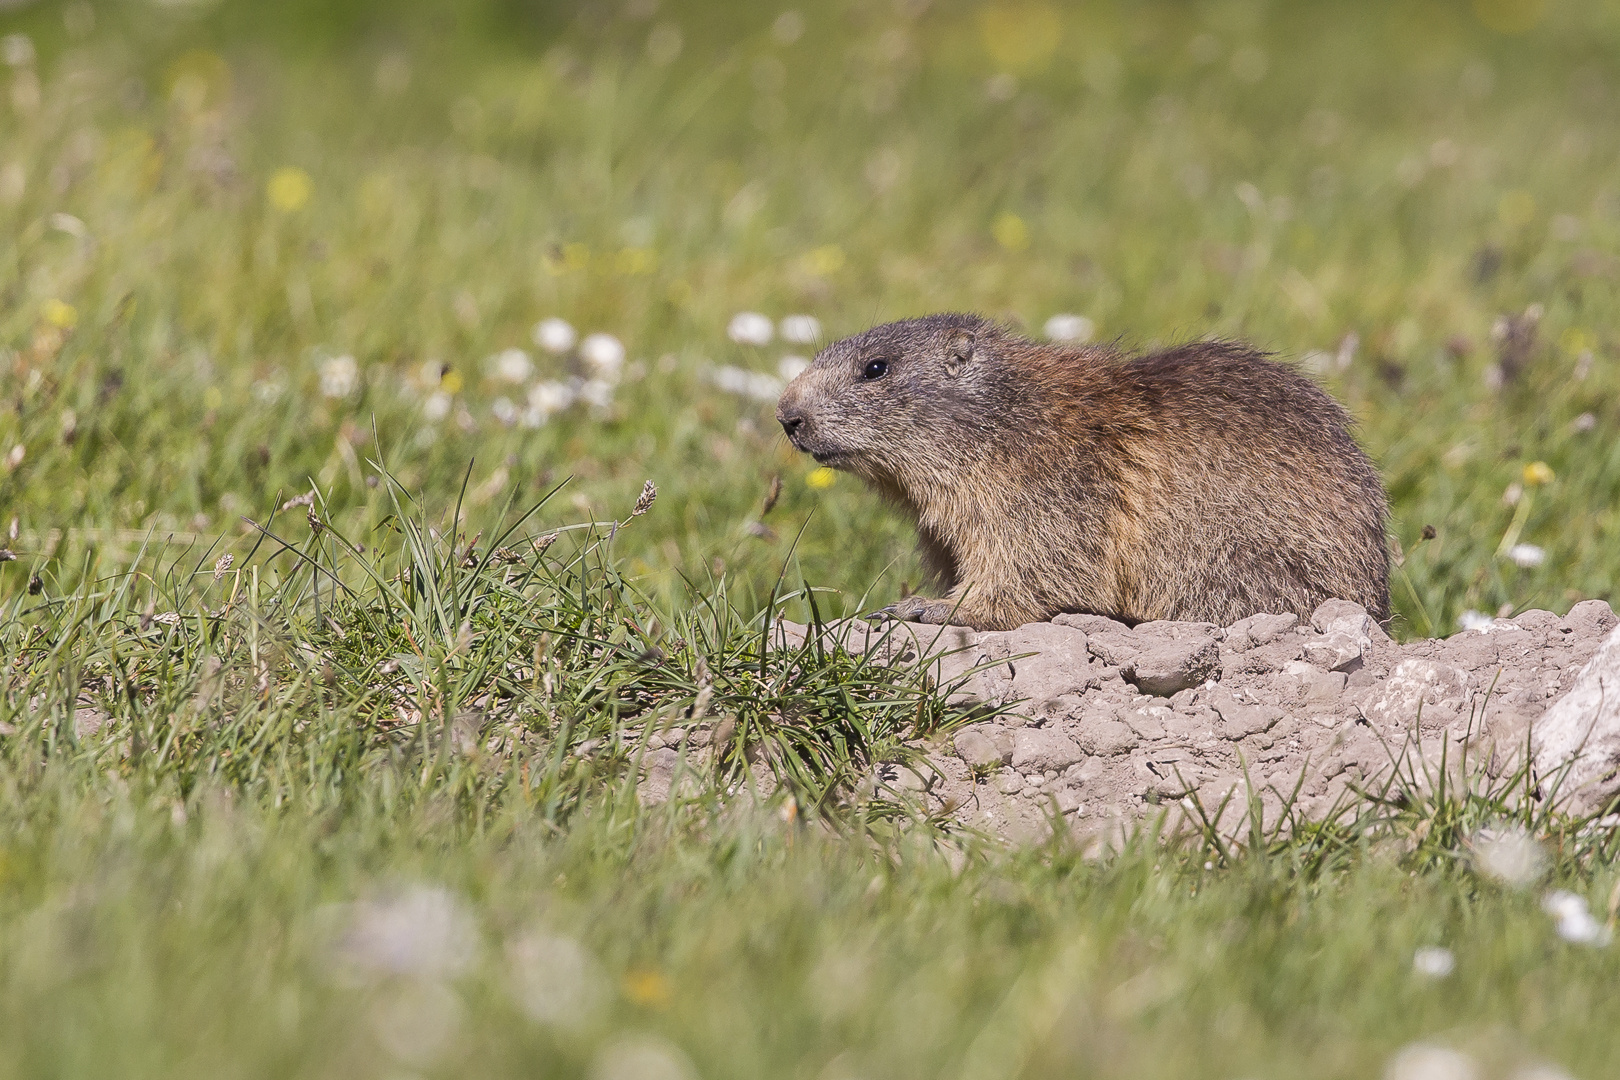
{"x": 1510, "y": 16}
{"x": 1576, "y": 341}
{"x": 289, "y": 189}
{"x": 825, "y": 260}
{"x": 60, "y": 314}
{"x": 1538, "y": 472}
{"x": 633, "y": 261}
{"x": 1516, "y": 209}
{"x": 821, "y": 478}
{"x": 1023, "y": 37}
{"x": 1010, "y": 232}
{"x": 647, "y": 988}
{"x": 450, "y": 382}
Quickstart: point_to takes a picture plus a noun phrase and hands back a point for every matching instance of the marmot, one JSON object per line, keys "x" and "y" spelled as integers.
{"x": 1204, "y": 482}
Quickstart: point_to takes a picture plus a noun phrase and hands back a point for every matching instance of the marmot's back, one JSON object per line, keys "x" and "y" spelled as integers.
{"x": 1259, "y": 498}
{"x": 1203, "y": 482}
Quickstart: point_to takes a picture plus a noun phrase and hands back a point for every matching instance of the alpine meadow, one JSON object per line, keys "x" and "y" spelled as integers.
{"x": 388, "y": 469}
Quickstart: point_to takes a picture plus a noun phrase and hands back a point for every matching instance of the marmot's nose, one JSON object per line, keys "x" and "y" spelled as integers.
{"x": 791, "y": 421}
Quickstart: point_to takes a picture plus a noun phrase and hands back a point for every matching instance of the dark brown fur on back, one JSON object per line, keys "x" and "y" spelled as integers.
{"x": 1205, "y": 482}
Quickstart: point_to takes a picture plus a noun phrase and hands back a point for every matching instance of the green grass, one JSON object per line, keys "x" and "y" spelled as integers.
{"x": 398, "y": 691}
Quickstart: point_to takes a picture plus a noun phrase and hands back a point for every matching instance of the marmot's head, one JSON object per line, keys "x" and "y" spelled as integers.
{"x": 898, "y": 400}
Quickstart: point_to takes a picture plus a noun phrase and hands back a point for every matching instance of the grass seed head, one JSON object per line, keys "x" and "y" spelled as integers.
{"x": 644, "y": 501}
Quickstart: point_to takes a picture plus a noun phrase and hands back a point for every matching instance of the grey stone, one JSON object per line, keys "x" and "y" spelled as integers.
{"x": 1337, "y": 651}
{"x": 1260, "y": 629}
{"x": 1578, "y": 739}
{"x": 1315, "y": 689}
{"x": 1147, "y": 721}
{"x": 1240, "y": 719}
{"x": 1043, "y": 748}
{"x": 657, "y": 775}
{"x": 1008, "y": 782}
{"x": 1106, "y": 738}
{"x": 1270, "y": 712}
{"x": 1161, "y": 658}
{"x": 1347, "y": 633}
{"x": 1439, "y": 690}
{"x": 982, "y": 750}
{"x": 1342, "y": 616}
{"x": 1591, "y": 615}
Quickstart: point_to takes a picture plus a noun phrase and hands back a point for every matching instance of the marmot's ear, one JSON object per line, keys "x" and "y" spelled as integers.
{"x": 958, "y": 352}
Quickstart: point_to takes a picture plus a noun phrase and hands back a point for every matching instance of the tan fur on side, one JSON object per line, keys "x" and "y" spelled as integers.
{"x": 1204, "y": 482}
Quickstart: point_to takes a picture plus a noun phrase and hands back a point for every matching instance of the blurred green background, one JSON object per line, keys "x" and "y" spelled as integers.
{"x": 236, "y": 239}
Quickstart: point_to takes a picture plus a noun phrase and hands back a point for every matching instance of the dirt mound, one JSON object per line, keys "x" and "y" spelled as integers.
{"x": 1107, "y": 723}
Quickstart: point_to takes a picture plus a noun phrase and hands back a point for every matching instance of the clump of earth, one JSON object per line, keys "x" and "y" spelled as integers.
{"x": 1093, "y": 725}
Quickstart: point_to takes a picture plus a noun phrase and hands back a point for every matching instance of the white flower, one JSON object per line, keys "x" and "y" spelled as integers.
{"x": 339, "y": 376}
{"x": 431, "y": 373}
{"x": 416, "y": 1021}
{"x": 1574, "y": 919}
{"x": 800, "y": 329}
{"x": 789, "y": 367}
{"x": 17, "y": 50}
{"x": 1475, "y": 620}
{"x": 513, "y": 365}
{"x": 437, "y": 406}
{"x": 642, "y": 1057}
{"x": 1434, "y": 961}
{"x": 550, "y": 397}
{"x": 1527, "y": 555}
{"x": 424, "y": 932}
{"x": 1542, "y": 1072}
{"x": 605, "y": 354}
{"x": 749, "y": 384}
{"x": 750, "y": 328}
{"x": 1509, "y": 855}
{"x": 554, "y": 335}
{"x": 1066, "y": 327}
{"x": 596, "y": 392}
{"x": 1425, "y": 1061}
{"x": 505, "y": 411}
{"x": 555, "y": 980}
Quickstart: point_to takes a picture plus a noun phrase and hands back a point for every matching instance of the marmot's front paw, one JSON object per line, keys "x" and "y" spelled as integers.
{"x": 919, "y": 609}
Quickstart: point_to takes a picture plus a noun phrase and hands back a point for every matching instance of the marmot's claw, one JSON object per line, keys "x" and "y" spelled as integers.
{"x": 908, "y": 609}
{"x": 881, "y": 615}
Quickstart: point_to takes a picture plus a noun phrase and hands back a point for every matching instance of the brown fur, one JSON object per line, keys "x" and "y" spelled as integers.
{"x": 1204, "y": 482}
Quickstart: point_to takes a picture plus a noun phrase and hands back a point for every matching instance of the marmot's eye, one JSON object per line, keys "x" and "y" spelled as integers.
{"x": 875, "y": 369}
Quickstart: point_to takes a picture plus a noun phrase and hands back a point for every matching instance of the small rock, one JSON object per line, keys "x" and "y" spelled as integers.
{"x": 1259, "y": 629}
{"x": 87, "y": 721}
{"x": 1318, "y": 689}
{"x": 1337, "y": 651}
{"x": 1171, "y": 657}
{"x": 1591, "y": 617}
{"x": 1068, "y": 800}
{"x": 1008, "y": 782}
{"x": 657, "y": 774}
{"x": 1347, "y": 633}
{"x": 1106, "y": 738}
{"x": 976, "y": 747}
{"x": 1439, "y": 690}
{"x": 1342, "y": 616}
{"x": 1241, "y": 719}
{"x": 1578, "y": 739}
{"x": 1147, "y": 721}
{"x": 1040, "y": 749}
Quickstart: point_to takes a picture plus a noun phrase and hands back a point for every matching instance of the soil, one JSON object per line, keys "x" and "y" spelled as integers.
{"x": 1097, "y": 725}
